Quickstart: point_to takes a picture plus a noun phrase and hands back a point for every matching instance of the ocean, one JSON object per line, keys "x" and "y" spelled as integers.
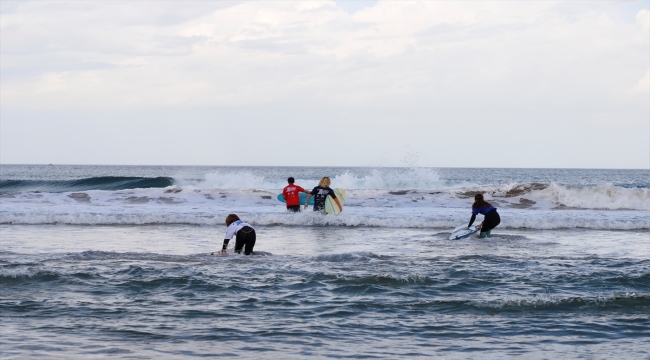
{"x": 114, "y": 261}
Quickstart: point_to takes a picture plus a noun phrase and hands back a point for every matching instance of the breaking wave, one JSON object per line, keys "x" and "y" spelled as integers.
{"x": 608, "y": 196}
{"x": 412, "y": 178}
{"x": 93, "y": 183}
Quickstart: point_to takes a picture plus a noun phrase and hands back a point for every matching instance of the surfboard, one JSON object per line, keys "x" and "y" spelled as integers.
{"x": 331, "y": 207}
{"x": 461, "y": 231}
{"x": 302, "y": 196}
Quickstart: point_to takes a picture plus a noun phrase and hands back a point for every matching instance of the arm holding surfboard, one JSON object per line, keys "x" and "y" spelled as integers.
{"x": 471, "y": 221}
{"x": 335, "y": 200}
{"x": 304, "y": 191}
{"x": 307, "y": 202}
{"x": 338, "y": 203}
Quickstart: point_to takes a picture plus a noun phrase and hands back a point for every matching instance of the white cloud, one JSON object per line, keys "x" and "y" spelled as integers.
{"x": 644, "y": 84}
{"x": 352, "y": 6}
{"x": 643, "y": 18}
{"x": 431, "y": 66}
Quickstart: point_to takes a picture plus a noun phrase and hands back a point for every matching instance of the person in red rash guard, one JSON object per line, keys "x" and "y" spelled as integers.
{"x": 290, "y": 193}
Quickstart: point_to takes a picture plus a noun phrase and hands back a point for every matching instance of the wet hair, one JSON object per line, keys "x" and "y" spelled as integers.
{"x": 325, "y": 182}
{"x": 231, "y": 219}
{"x": 479, "y": 202}
{"x": 291, "y": 180}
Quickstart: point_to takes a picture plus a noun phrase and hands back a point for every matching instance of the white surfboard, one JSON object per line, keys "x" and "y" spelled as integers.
{"x": 331, "y": 207}
{"x": 462, "y": 232}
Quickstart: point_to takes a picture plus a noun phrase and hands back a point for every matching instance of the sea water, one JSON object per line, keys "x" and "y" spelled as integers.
{"x": 99, "y": 261}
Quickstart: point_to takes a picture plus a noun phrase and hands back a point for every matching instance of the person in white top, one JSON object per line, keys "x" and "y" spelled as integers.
{"x": 243, "y": 231}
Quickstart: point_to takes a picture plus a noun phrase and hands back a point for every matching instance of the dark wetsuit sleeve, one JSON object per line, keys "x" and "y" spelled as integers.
{"x": 313, "y": 191}
{"x": 332, "y": 194}
{"x": 225, "y": 244}
{"x": 471, "y": 221}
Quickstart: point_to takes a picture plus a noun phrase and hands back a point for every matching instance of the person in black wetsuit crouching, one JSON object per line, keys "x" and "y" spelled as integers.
{"x": 492, "y": 218}
{"x": 244, "y": 232}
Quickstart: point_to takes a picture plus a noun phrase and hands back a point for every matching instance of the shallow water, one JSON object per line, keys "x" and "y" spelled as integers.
{"x": 95, "y": 273}
{"x": 321, "y": 291}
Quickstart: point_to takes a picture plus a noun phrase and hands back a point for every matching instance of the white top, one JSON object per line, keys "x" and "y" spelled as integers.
{"x": 234, "y": 227}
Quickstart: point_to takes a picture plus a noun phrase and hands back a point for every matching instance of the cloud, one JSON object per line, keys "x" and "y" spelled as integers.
{"x": 352, "y": 6}
{"x": 644, "y": 84}
{"x": 33, "y": 67}
{"x": 643, "y": 18}
{"x": 428, "y": 65}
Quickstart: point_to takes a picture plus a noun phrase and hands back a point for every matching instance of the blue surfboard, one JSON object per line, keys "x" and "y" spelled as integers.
{"x": 461, "y": 231}
{"x": 303, "y": 198}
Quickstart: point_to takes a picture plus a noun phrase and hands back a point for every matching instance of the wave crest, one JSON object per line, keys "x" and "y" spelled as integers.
{"x": 93, "y": 183}
{"x": 408, "y": 178}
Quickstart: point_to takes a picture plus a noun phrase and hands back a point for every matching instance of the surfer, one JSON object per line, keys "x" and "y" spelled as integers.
{"x": 320, "y": 193}
{"x": 244, "y": 232}
{"x": 291, "y": 193}
{"x": 491, "y": 220}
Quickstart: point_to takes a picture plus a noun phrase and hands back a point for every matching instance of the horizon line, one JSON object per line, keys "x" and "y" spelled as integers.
{"x": 336, "y": 166}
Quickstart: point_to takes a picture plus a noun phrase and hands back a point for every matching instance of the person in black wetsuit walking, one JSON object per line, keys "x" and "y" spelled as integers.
{"x": 492, "y": 218}
{"x": 320, "y": 194}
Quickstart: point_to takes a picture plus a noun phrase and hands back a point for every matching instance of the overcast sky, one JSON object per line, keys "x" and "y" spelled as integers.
{"x": 350, "y": 83}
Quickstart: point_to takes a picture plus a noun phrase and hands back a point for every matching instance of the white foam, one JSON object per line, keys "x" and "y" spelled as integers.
{"x": 599, "y": 197}
{"x": 233, "y": 180}
{"x": 411, "y": 178}
{"x": 424, "y": 201}
{"x": 543, "y": 300}
{"x": 608, "y": 196}
{"x": 214, "y": 215}
{"x": 377, "y": 185}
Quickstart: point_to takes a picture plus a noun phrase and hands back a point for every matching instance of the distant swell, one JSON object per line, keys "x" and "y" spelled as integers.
{"x": 94, "y": 183}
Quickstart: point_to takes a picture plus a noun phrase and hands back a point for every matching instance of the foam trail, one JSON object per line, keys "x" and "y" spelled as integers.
{"x": 436, "y": 220}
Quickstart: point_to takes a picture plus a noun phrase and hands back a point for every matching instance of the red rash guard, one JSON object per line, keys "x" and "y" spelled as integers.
{"x": 290, "y": 194}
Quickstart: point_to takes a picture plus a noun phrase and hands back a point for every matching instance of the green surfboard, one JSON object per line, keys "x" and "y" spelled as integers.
{"x": 331, "y": 207}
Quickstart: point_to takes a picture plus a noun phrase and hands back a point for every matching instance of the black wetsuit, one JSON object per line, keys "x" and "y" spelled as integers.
{"x": 491, "y": 220}
{"x": 245, "y": 239}
{"x": 320, "y": 194}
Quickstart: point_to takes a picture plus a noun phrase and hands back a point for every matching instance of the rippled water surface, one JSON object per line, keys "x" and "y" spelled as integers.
{"x": 322, "y": 292}
{"x": 113, "y": 261}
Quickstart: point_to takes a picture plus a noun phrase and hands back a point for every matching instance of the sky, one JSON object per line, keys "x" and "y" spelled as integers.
{"x": 531, "y": 84}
